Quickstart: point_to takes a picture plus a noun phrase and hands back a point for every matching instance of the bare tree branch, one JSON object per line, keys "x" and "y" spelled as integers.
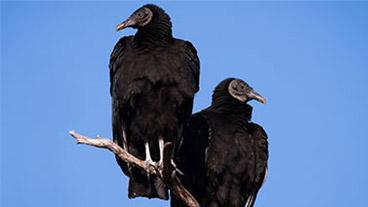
{"x": 173, "y": 183}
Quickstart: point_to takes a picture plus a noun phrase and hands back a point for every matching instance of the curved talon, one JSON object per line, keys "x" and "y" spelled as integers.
{"x": 150, "y": 164}
{"x": 160, "y": 165}
{"x": 179, "y": 171}
{"x": 157, "y": 167}
{"x": 176, "y": 170}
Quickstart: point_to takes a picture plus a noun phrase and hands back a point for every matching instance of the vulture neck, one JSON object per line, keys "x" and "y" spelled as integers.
{"x": 231, "y": 106}
{"x": 157, "y": 33}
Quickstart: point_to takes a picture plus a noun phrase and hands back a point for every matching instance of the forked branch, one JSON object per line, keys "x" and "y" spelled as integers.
{"x": 173, "y": 183}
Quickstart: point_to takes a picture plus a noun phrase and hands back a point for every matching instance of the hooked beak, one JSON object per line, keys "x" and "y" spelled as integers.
{"x": 256, "y": 96}
{"x": 127, "y": 23}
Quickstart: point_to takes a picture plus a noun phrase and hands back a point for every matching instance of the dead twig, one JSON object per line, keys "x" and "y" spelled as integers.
{"x": 174, "y": 183}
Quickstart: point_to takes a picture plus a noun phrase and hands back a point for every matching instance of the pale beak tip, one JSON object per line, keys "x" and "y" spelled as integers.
{"x": 119, "y": 27}
{"x": 262, "y": 100}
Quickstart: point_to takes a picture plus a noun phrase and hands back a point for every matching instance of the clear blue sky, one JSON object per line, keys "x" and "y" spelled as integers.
{"x": 309, "y": 59}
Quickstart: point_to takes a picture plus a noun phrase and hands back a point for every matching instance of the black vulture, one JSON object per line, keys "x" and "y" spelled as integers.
{"x": 224, "y": 155}
{"x": 153, "y": 79}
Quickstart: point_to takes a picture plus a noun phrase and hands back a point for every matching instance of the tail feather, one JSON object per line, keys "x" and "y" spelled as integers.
{"x": 139, "y": 189}
{"x": 152, "y": 188}
{"x": 160, "y": 188}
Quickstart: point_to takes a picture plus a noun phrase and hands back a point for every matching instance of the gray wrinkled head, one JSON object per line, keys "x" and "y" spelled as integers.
{"x": 241, "y": 91}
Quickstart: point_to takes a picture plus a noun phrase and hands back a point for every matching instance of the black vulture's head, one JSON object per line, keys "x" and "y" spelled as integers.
{"x": 144, "y": 17}
{"x": 236, "y": 89}
{"x": 241, "y": 91}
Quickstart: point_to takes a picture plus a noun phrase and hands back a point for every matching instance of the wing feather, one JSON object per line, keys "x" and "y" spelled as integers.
{"x": 193, "y": 65}
{"x": 116, "y": 59}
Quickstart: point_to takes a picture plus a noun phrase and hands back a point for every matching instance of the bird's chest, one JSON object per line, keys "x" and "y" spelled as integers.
{"x": 225, "y": 128}
{"x": 156, "y": 65}
{"x": 141, "y": 71}
{"x": 228, "y": 134}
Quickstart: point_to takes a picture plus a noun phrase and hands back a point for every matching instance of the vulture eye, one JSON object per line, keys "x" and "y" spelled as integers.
{"x": 139, "y": 15}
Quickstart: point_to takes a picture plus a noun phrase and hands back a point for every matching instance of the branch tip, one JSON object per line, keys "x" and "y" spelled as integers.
{"x": 124, "y": 155}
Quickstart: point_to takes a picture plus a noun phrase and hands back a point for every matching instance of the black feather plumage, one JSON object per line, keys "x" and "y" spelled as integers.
{"x": 153, "y": 80}
{"x": 223, "y": 155}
